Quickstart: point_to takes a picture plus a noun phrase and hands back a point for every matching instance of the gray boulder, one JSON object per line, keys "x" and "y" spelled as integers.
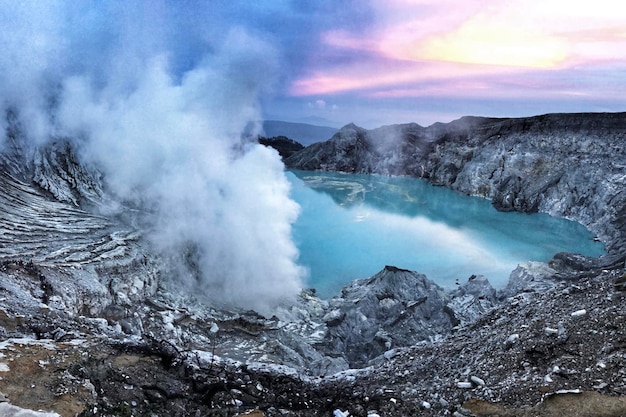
{"x": 394, "y": 308}
{"x": 473, "y": 299}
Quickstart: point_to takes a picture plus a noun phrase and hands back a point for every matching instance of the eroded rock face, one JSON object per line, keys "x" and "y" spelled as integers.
{"x": 75, "y": 261}
{"x": 396, "y": 308}
{"x": 473, "y": 299}
{"x": 568, "y": 165}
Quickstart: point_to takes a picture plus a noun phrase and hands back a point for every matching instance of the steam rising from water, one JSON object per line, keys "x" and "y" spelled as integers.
{"x": 168, "y": 139}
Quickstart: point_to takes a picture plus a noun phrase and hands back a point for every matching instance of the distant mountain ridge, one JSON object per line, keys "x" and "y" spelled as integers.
{"x": 303, "y": 133}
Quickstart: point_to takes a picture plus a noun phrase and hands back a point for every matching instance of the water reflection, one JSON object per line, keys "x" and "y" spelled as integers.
{"x": 407, "y": 196}
{"x": 352, "y": 225}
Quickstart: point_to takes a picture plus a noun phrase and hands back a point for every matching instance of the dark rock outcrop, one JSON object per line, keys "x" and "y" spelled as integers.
{"x": 394, "y": 308}
{"x": 285, "y": 146}
{"x": 397, "y": 308}
{"x": 515, "y": 359}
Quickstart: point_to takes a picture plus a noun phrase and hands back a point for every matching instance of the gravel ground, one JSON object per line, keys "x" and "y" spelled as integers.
{"x": 557, "y": 352}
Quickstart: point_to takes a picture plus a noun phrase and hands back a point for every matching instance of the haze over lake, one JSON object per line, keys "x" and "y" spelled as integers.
{"x": 352, "y": 225}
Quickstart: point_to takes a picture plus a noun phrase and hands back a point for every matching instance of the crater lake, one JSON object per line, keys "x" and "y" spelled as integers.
{"x": 352, "y": 225}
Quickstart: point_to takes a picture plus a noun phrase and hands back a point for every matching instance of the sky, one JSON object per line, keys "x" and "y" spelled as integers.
{"x": 390, "y": 61}
{"x": 374, "y": 62}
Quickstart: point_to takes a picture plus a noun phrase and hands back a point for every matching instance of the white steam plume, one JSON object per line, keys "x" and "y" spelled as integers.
{"x": 172, "y": 141}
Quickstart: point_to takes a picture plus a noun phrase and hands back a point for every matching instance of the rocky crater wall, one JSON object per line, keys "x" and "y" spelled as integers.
{"x": 567, "y": 165}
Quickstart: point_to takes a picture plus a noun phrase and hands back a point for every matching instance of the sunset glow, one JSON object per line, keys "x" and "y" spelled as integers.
{"x": 373, "y": 62}
{"x": 478, "y": 43}
{"x": 487, "y": 49}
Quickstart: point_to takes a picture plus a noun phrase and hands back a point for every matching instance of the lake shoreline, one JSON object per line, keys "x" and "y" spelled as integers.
{"x": 351, "y": 225}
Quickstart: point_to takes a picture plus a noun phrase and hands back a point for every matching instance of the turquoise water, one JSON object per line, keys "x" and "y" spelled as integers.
{"x": 351, "y": 226}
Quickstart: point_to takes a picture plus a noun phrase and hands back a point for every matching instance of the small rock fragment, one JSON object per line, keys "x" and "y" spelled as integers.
{"x": 478, "y": 381}
{"x": 512, "y": 339}
{"x": 579, "y": 313}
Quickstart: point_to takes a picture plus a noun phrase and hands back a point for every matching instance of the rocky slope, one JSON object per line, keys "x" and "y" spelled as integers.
{"x": 568, "y": 165}
{"x": 89, "y": 326}
{"x": 560, "y": 351}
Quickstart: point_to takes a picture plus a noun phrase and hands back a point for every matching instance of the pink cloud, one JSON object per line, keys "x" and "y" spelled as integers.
{"x": 423, "y": 47}
{"x": 381, "y": 74}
